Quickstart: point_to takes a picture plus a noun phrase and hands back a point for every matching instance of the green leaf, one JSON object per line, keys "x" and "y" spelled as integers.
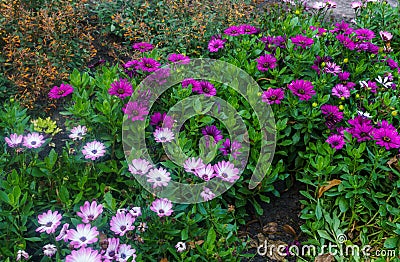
{"x": 64, "y": 194}
{"x": 4, "y": 197}
{"x": 324, "y": 234}
{"x": 33, "y": 239}
{"x": 392, "y": 242}
{"x": 211, "y": 237}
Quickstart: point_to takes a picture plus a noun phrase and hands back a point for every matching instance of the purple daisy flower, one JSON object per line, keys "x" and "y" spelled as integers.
{"x": 162, "y": 206}
{"x": 332, "y": 68}
{"x": 385, "y": 124}
{"x": 121, "y": 88}
{"x": 78, "y": 132}
{"x": 135, "y": 111}
{"x": 33, "y": 140}
{"x": 122, "y": 223}
{"x": 112, "y": 248}
{"x": 336, "y": 141}
{"x": 49, "y": 221}
{"x": 374, "y": 49}
{"x": 148, "y": 64}
{"x": 302, "y": 41}
{"x": 226, "y": 171}
{"x": 90, "y": 211}
{"x": 332, "y": 115}
{"x": 60, "y": 91}
{"x": 94, "y": 150}
{"x": 340, "y": 91}
{"x": 248, "y": 29}
{"x": 370, "y": 85}
{"x": 207, "y": 194}
{"x": 14, "y": 140}
{"x": 213, "y": 132}
{"x": 319, "y": 63}
{"x": 143, "y": 47}
{"x": 205, "y": 88}
{"x": 302, "y": 88}
{"x": 84, "y": 254}
{"x": 158, "y": 120}
{"x": 343, "y": 28}
{"x": 344, "y": 76}
{"x": 22, "y": 254}
{"x": 163, "y": 135}
{"x": 346, "y": 41}
{"x": 63, "y": 233}
{"x": 125, "y": 252}
{"x": 387, "y": 137}
{"x": 135, "y": 212}
{"x": 192, "y": 164}
{"x": 215, "y": 45}
{"x": 206, "y": 172}
{"x": 273, "y": 96}
{"x": 361, "y": 131}
{"x": 131, "y": 67}
{"x": 84, "y": 235}
{"x": 266, "y": 62}
{"x": 364, "y": 34}
{"x": 228, "y": 148}
{"x": 233, "y": 31}
{"x": 190, "y": 81}
{"x": 392, "y": 64}
{"x": 159, "y": 177}
{"x": 139, "y": 166}
{"x": 178, "y": 58}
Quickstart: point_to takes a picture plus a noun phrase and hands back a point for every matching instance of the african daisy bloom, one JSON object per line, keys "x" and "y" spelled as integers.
{"x": 121, "y": 88}
{"x": 135, "y": 111}
{"x": 192, "y": 164}
{"x": 49, "y": 221}
{"x": 122, "y": 223}
{"x": 302, "y": 41}
{"x": 230, "y": 148}
{"x": 332, "y": 68}
{"x": 49, "y": 250}
{"x": 226, "y": 171}
{"x": 161, "y": 120}
{"x": 370, "y": 85}
{"x": 112, "y": 249}
{"x": 179, "y": 58}
{"x": 94, "y": 150}
{"x": 84, "y": 235}
{"x": 190, "y": 82}
{"x": 384, "y": 81}
{"x": 143, "y": 47}
{"x": 302, "y": 88}
{"x": 78, "y": 132}
{"x": 266, "y": 62}
{"x": 215, "y": 45}
{"x": 356, "y": 5}
{"x": 139, "y": 166}
{"x": 386, "y": 36}
{"x": 364, "y": 34}
{"x": 135, "y": 212}
{"x": 63, "y": 233}
{"x": 159, "y": 177}
{"x": 142, "y": 227}
{"x": 207, "y": 194}
{"x": 387, "y": 137}
{"x": 33, "y": 140}
{"x": 346, "y": 41}
{"x": 60, "y": 91}
{"x": 22, "y": 254}
{"x": 125, "y": 252}
{"x": 131, "y": 67}
{"x": 205, "y": 88}
{"x": 213, "y": 132}
{"x": 344, "y": 76}
{"x": 148, "y": 64}
{"x": 14, "y": 140}
{"x": 336, "y": 141}
{"x": 206, "y": 172}
{"x": 162, "y": 206}
{"x": 233, "y": 31}
{"x": 90, "y": 211}
{"x": 362, "y": 131}
{"x": 163, "y": 135}
{"x": 84, "y": 254}
{"x": 248, "y": 29}
{"x": 332, "y": 115}
{"x": 273, "y": 96}
{"x": 180, "y": 247}
{"x": 319, "y": 5}
{"x": 340, "y": 91}
{"x": 385, "y": 124}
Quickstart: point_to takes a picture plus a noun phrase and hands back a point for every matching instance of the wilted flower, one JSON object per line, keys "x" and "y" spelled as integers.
{"x": 94, "y": 150}
{"x": 142, "y": 227}
{"x": 22, "y": 254}
{"x": 49, "y": 221}
{"x": 63, "y": 233}
{"x": 207, "y": 194}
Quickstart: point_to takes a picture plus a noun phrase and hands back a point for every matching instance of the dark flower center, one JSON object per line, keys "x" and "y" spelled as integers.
{"x": 120, "y": 91}
{"x": 94, "y": 151}
{"x": 135, "y": 113}
{"x": 33, "y": 143}
{"x": 123, "y": 256}
{"x": 205, "y": 89}
{"x": 224, "y": 175}
{"x": 111, "y": 254}
{"x": 163, "y": 138}
{"x": 49, "y": 224}
{"x": 363, "y": 134}
{"x": 148, "y": 65}
{"x": 161, "y": 211}
{"x": 266, "y": 65}
{"x": 90, "y": 217}
{"x": 386, "y": 139}
{"x": 301, "y": 91}
{"x": 61, "y": 92}
{"x": 158, "y": 179}
{"x": 83, "y": 239}
{"x": 123, "y": 228}
{"x": 205, "y": 177}
{"x": 335, "y": 143}
{"x": 273, "y": 97}
{"x": 139, "y": 171}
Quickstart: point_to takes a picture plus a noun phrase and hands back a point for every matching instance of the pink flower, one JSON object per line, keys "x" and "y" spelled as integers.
{"x": 139, "y": 166}
{"x": 122, "y": 223}
{"x": 33, "y": 140}
{"x": 84, "y": 235}
{"x": 93, "y": 150}
{"x": 78, "y": 132}
{"x": 90, "y": 212}
{"x": 192, "y": 164}
{"x": 143, "y": 47}
{"x": 340, "y": 91}
{"x": 125, "y": 252}
{"x": 159, "y": 177}
{"x": 49, "y": 221}
{"x": 63, "y": 233}
{"x": 226, "y": 171}
{"x": 206, "y": 172}
{"x": 14, "y": 140}
{"x": 62, "y": 91}
{"x": 49, "y": 250}
{"x": 121, "y": 88}
{"x": 84, "y": 254}
{"x": 273, "y": 96}
{"x": 207, "y": 194}
{"x": 162, "y": 206}
{"x": 22, "y": 254}
{"x": 302, "y": 88}
{"x": 163, "y": 135}
{"x": 112, "y": 249}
